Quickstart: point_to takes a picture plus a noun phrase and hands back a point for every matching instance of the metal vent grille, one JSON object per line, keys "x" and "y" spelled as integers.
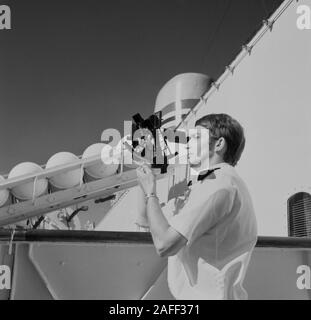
{"x": 299, "y": 215}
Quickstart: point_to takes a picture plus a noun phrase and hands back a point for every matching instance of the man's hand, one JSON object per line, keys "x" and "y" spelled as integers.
{"x": 146, "y": 179}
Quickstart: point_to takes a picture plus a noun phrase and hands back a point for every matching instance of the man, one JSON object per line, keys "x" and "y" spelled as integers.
{"x": 210, "y": 240}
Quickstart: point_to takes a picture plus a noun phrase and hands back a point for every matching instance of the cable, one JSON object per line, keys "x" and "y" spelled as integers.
{"x": 38, "y": 222}
{"x": 218, "y": 28}
{"x": 263, "y": 3}
{"x": 83, "y": 208}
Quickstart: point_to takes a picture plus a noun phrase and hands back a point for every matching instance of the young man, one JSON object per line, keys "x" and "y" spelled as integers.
{"x": 210, "y": 240}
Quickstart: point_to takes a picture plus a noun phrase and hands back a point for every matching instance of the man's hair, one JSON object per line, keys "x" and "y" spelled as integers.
{"x": 222, "y": 125}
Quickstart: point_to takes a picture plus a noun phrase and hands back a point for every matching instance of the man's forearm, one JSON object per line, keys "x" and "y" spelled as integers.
{"x": 157, "y": 222}
{"x": 141, "y": 218}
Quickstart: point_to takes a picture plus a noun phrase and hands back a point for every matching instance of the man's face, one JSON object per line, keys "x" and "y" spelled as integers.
{"x": 199, "y": 146}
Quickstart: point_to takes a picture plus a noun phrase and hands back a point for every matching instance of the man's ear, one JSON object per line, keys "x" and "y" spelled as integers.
{"x": 221, "y": 145}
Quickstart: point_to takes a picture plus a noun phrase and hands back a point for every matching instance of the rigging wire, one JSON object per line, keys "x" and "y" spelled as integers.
{"x": 218, "y": 28}
{"x": 264, "y": 6}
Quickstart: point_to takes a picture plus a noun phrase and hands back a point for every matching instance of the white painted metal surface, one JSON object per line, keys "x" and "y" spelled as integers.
{"x": 134, "y": 271}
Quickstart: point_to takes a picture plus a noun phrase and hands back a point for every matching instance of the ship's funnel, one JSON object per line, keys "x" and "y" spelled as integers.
{"x": 101, "y": 170}
{"x": 179, "y": 95}
{"x": 67, "y": 179}
{"x": 4, "y": 194}
{"x": 25, "y": 191}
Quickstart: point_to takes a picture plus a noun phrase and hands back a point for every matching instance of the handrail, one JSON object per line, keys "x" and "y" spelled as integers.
{"x": 134, "y": 237}
{"x": 74, "y": 236}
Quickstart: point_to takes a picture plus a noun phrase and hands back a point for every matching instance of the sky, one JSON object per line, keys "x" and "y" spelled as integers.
{"x": 70, "y": 69}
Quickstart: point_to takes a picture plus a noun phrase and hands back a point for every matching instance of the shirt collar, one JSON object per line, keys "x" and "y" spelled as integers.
{"x": 194, "y": 174}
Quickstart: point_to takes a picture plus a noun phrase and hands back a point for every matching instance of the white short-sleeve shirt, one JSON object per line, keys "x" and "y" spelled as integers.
{"x": 217, "y": 218}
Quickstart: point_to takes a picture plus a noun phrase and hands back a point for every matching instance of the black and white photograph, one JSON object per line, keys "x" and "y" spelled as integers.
{"x": 155, "y": 150}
